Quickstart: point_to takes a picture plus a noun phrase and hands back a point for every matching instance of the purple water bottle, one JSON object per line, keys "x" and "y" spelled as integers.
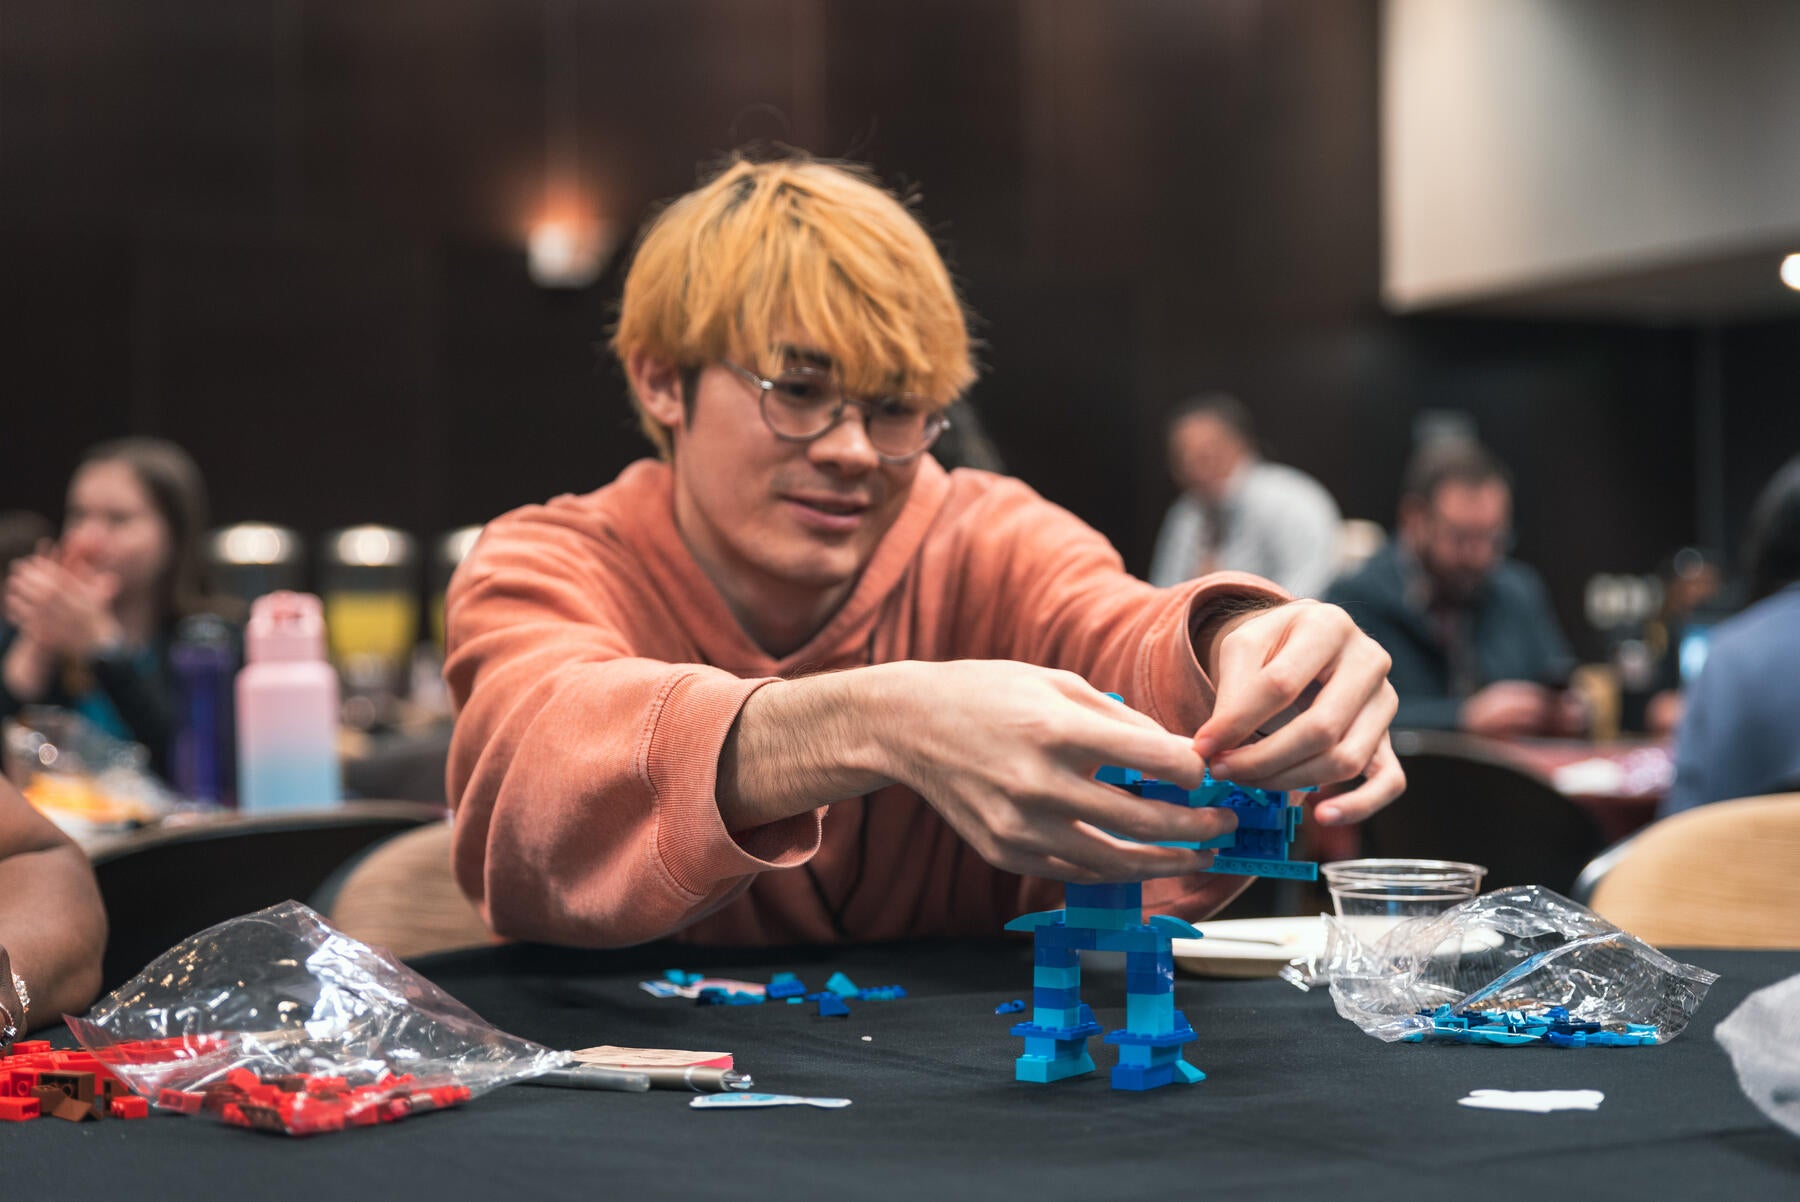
{"x": 204, "y": 662}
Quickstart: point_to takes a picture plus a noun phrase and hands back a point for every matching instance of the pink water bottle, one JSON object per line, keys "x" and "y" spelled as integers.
{"x": 287, "y": 709}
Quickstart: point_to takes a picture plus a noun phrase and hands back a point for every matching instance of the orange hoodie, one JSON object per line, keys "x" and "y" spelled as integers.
{"x": 597, "y": 673}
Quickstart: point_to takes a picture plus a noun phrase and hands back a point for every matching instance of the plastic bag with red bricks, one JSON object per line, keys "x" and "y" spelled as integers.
{"x": 277, "y": 1021}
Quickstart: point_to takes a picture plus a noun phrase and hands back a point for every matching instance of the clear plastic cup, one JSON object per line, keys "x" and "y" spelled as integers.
{"x": 1375, "y": 894}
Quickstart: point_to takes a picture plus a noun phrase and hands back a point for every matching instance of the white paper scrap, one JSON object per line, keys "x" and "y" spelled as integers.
{"x": 1534, "y": 1101}
{"x": 751, "y": 1101}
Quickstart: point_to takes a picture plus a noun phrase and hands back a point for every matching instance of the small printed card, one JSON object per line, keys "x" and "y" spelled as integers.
{"x": 608, "y": 1056}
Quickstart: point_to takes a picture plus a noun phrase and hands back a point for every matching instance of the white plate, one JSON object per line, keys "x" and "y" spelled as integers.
{"x": 1250, "y": 947}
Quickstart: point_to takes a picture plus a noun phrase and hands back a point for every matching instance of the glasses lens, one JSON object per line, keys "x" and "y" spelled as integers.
{"x": 901, "y": 425}
{"x": 802, "y": 403}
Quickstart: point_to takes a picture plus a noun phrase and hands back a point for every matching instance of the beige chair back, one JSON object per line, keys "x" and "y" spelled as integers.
{"x": 1723, "y": 875}
{"x": 403, "y": 898}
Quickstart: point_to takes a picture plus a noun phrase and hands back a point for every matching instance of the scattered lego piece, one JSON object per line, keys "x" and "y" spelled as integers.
{"x": 785, "y": 985}
{"x": 832, "y": 1006}
{"x": 129, "y": 1108}
{"x": 842, "y": 985}
{"x": 752, "y": 1101}
{"x": 881, "y": 993}
{"x": 18, "y": 1110}
{"x": 1012, "y": 1007}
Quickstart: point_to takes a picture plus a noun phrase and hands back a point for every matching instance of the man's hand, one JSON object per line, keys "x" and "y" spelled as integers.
{"x": 13, "y": 1017}
{"x": 1264, "y": 665}
{"x": 64, "y": 609}
{"x": 1005, "y": 751}
{"x": 1511, "y": 707}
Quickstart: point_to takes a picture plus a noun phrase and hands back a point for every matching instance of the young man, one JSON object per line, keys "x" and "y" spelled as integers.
{"x": 1475, "y": 644}
{"x": 795, "y": 682}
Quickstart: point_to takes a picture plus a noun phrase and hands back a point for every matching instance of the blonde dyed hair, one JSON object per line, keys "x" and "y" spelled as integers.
{"x": 797, "y": 250}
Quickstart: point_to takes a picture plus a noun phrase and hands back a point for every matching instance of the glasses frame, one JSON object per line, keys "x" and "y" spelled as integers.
{"x": 935, "y": 423}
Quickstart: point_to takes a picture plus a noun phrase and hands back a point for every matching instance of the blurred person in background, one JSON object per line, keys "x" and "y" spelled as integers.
{"x": 1740, "y": 726}
{"x": 89, "y": 618}
{"x": 52, "y": 925}
{"x": 1239, "y": 512}
{"x": 1691, "y": 588}
{"x": 1475, "y": 644}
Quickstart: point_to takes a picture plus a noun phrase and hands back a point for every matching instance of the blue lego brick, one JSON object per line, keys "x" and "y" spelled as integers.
{"x": 1087, "y": 918}
{"x": 1045, "y": 977}
{"x": 1163, "y": 791}
{"x": 1052, "y": 998}
{"x": 1180, "y": 1034}
{"x": 716, "y": 996}
{"x": 1041, "y": 1071}
{"x": 1110, "y": 774}
{"x": 1148, "y": 983}
{"x": 1150, "y": 1013}
{"x": 788, "y": 988}
{"x": 1142, "y": 939}
{"x": 1170, "y": 927}
{"x": 1287, "y": 870}
{"x": 832, "y": 1006}
{"x": 881, "y": 993}
{"x": 1223, "y": 842}
{"x": 678, "y": 977}
{"x": 1056, "y": 1018}
{"x": 842, "y": 985}
{"x": 1064, "y": 937}
{"x": 1083, "y": 1028}
{"x": 1012, "y": 1007}
{"x": 1036, "y": 920}
{"x": 1055, "y": 957}
{"x": 1129, "y": 895}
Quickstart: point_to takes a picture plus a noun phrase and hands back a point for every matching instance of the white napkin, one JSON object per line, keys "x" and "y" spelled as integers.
{"x": 1534, "y": 1101}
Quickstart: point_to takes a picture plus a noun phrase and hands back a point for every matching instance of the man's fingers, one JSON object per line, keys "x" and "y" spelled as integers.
{"x": 1144, "y": 819}
{"x": 1383, "y": 780}
{"x": 1108, "y": 739}
{"x": 1335, "y": 734}
{"x": 1344, "y": 758}
{"x": 1264, "y": 668}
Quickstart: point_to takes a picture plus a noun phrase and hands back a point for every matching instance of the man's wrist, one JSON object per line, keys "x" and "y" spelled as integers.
{"x": 1210, "y": 623}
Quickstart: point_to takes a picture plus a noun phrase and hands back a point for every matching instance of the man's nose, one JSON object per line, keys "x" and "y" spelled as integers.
{"x": 846, "y": 445}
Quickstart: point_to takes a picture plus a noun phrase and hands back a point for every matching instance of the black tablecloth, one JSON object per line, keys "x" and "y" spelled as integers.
{"x": 1296, "y": 1100}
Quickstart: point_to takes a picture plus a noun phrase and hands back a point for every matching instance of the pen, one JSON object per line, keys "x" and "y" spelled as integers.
{"x": 589, "y": 1076}
{"x": 697, "y": 1078}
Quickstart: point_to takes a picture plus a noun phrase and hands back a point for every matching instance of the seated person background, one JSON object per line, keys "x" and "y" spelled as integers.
{"x": 795, "y": 682}
{"x": 1239, "y": 512}
{"x": 52, "y": 926}
{"x": 89, "y": 620}
{"x": 1474, "y": 642}
{"x": 1740, "y": 727}
{"x": 1691, "y": 584}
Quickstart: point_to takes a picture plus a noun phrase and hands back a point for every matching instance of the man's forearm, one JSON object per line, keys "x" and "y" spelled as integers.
{"x": 800, "y": 744}
{"x": 53, "y": 928}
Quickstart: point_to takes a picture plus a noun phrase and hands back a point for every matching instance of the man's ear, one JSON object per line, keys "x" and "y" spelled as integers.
{"x": 657, "y": 383}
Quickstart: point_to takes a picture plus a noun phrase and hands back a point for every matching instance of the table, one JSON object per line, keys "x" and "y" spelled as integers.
{"x": 1298, "y": 1102}
{"x": 1644, "y": 769}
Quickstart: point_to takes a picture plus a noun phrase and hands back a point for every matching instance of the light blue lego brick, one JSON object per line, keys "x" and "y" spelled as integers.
{"x": 842, "y": 985}
{"x": 1287, "y": 870}
{"x": 796, "y": 1001}
{"x": 1110, "y": 774}
{"x": 1173, "y": 928}
{"x": 1189, "y": 1073}
{"x": 1150, "y": 1013}
{"x": 1056, "y": 1018}
{"x": 1227, "y": 840}
{"x": 1085, "y": 918}
{"x": 1045, "y": 977}
{"x": 1163, "y": 791}
{"x": 1042, "y": 1071}
{"x": 1033, "y": 921}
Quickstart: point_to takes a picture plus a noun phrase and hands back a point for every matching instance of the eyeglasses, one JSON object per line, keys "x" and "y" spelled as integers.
{"x": 804, "y": 403}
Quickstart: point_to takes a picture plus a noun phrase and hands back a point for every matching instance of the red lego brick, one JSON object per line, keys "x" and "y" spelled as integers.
{"x": 17, "y": 1110}
{"x": 129, "y": 1108}
{"x": 179, "y": 1100}
{"x": 24, "y": 1080}
{"x": 31, "y": 1047}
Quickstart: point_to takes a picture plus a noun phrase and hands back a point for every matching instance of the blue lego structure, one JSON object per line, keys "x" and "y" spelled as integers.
{"x": 1111, "y": 918}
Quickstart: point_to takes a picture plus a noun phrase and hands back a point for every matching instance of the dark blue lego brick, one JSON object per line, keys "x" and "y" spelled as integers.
{"x": 1080, "y": 1030}
{"x": 787, "y": 988}
{"x": 1012, "y": 1007}
{"x": 1162, "y": 790}
{"x": 1055, "y": 957}
{"x": 1055, "y": 999}
{"x": 1104, "y": 897}
{"x": 1067, "y": 937}
{"x": 832, "y": 1006}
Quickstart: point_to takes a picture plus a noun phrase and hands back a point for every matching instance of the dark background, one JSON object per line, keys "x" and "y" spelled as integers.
{"x": 290, "y": 236}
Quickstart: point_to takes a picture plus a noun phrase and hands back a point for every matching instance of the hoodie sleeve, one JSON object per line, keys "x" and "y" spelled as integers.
{"x": 583, "y": 767}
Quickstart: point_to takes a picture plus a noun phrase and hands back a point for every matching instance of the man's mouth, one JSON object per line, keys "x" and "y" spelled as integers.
{"x": 829, "y": 513}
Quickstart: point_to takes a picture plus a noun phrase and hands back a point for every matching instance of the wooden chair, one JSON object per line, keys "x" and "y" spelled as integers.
{"x": 1722, "y": 875}
{"x": 401, "y": 897}
{"x": 1465, "y": 802}
{"x": 164, "y": 884}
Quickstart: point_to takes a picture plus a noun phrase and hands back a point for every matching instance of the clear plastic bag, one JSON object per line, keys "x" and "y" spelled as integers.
{"x": 1762, "y": 1037}
{"x": 1520, "y": 965}
{"x": 280, "y": 1021}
